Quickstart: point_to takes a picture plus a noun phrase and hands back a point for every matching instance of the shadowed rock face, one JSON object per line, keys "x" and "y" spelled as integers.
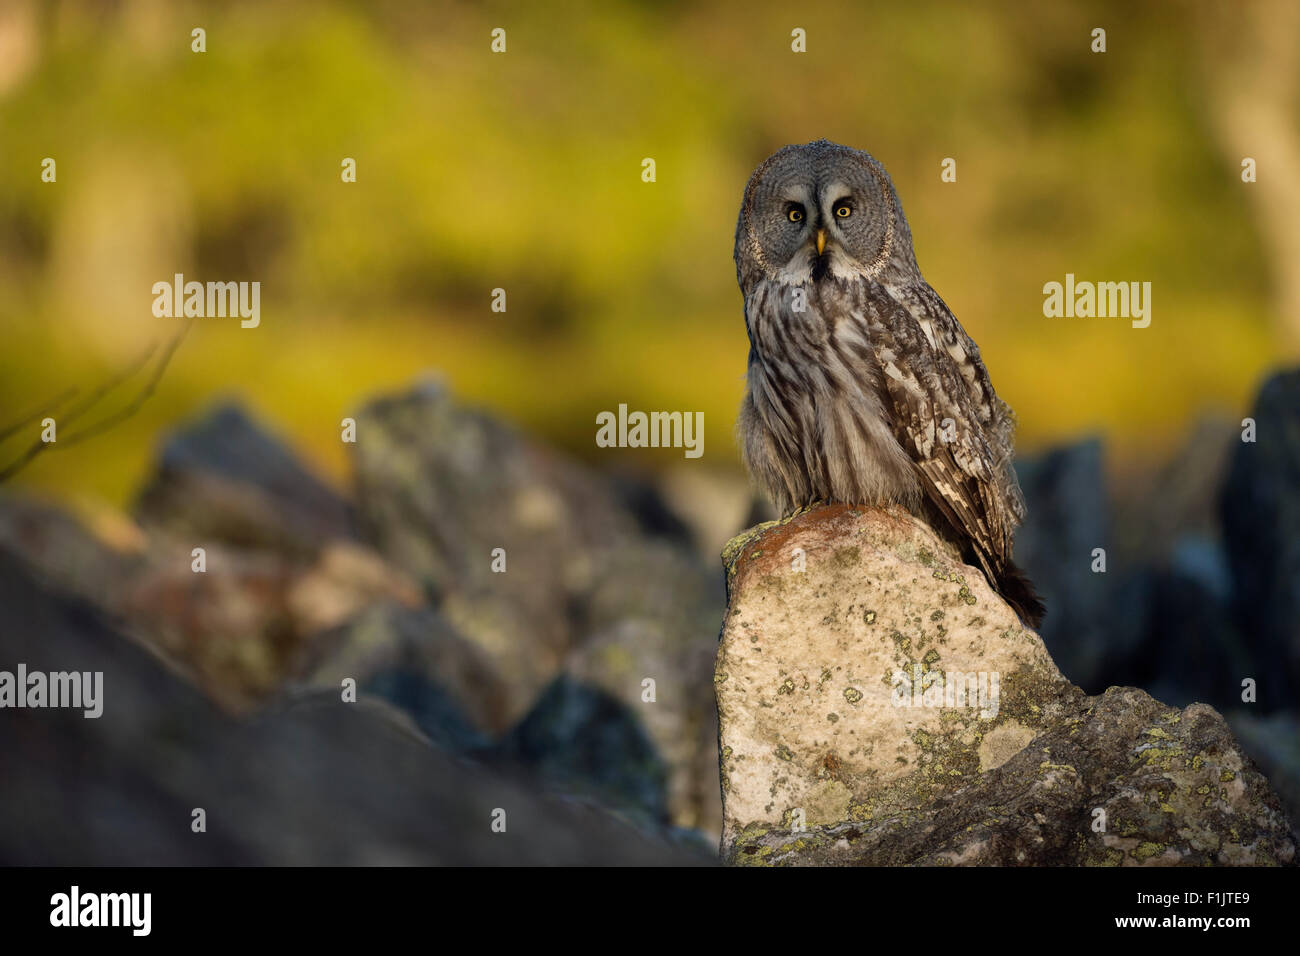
{"x": 1261, "y": 523}
{"x": 1069, "y": 516}
{"x": 312, "y": 781}
{"x": 585, "y": 592}
{"x": 222, "y": 478}
{"x": 407, "y": 601}
{"x": 879, "y": 704}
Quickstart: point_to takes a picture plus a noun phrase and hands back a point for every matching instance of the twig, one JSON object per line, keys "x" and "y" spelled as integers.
{"x": 42, "y": 411}
{"x": 134, "y": 406}
{"x": 26, "y": 457}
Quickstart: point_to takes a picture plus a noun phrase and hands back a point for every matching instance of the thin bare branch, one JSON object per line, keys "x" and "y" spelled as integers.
{"x": 43, "y": 410}
{"x": 143, "y": 396}
{"x": 89, "y": 402}
{"x": 85, "y": 405}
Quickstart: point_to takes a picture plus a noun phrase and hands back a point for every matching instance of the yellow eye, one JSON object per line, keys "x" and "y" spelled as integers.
{"x": 844, "y": 210}
{"x": 796, "y": 215}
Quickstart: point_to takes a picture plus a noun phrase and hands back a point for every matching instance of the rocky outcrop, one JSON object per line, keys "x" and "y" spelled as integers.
{"x": 223, "y": 478}
{"x": 879, "y": 704}
{"x": 576, "y": 588}
{"x": 599, "y": 626}
{"x": 412, "y": 658}
{"x": 1148, "y": 556}
{"x": 586, "y": 742}
{"x": 1261, "y": 526}
{"x": 311, "y": 780}
{"x": 453, "y": 497}
{"x": 1065, "y": 492}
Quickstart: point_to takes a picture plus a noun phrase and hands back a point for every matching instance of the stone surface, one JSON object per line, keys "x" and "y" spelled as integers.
{"x": 845, "y": 739}
{"x": 1273, "y": 742}
{"x": 309, "y": 781}
{"x": 440, "y": 487}
{"x": 224, "y": 479}
{"x": 652, "y": 615}
{"x": 583, "y": 741}
{"x": 64, "y": 553}
{"x": 238, "y": 626}
{"x": 1070, "y": 516}
{"x": 282, "y": 562}
{"x": 415, "y": 660}
{"x": 1261, "y": 529}
{"x": 601, "y": 583}
{"x": 598, "y": 584}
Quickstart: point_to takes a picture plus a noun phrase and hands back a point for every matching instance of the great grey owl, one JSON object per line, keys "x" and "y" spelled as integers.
{"x": 862, "y": 387}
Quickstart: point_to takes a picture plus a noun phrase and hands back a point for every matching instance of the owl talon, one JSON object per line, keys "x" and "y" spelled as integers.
{"x": 805, "y": 508}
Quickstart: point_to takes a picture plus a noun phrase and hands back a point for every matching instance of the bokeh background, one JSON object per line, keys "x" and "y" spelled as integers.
{"x": 522, "y": 171}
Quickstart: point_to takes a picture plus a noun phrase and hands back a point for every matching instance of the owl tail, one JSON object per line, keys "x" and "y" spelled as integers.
{"x": 1018, "y": 591}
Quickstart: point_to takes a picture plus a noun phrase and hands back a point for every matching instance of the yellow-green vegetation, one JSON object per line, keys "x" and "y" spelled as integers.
{"x": 522, "y": 171}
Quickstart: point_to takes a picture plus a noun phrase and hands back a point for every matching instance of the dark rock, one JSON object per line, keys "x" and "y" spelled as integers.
{"x": 585, "y": 742}
{"x": 230, "y": 628}
{"x": 586, "y": 591}
{"x": 431, "y": 706}
{"x": 416, "y": 661}
{"x": 234, "y": 628}
{"x": 652, "y": 616}
{"x": 1273, "y": 742}
{"x": 1156, "y": 513}
{"x": 65, "y": 554}
{"x": 223, "y": 479}
{"x": 313, "y": 782}
{"x": 440, "y": 487}
{"x": 1194, "y": 650}
{"x": 646, "y": 504}
{"x": 1261, "y": 526}
{"x": 238, "y": 626}
{"x": 1095, "y": 621}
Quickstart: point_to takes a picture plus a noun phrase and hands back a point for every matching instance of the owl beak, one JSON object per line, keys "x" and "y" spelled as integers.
{"x": 821, "y": 241}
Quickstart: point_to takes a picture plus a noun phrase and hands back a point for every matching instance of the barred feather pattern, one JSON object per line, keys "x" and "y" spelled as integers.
{"x": 874, "y": 394}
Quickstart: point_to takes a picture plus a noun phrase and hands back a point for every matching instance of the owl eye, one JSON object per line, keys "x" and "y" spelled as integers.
{"x": 795, "y": 213}
{"x": 843, "y": 210}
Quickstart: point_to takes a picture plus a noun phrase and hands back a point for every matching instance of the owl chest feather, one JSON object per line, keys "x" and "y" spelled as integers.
{"x": 815, "y": 425}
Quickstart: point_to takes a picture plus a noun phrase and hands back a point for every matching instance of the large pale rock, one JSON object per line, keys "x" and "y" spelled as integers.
{"x": 880, "y": 704}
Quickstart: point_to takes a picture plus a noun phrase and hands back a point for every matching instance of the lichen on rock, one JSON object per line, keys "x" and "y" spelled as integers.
{"x": 879, "y": 704}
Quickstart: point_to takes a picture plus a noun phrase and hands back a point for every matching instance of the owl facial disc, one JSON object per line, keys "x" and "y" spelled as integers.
{"x": 815, "y": 211}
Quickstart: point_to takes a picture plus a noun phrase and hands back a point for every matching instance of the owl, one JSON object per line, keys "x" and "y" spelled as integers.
{"x": 862, "y": 386}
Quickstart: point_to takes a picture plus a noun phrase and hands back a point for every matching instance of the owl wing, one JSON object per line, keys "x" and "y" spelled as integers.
{"x": 946, "y": 416}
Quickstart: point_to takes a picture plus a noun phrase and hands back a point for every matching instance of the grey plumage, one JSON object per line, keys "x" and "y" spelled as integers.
{"x": 862, "y": 386}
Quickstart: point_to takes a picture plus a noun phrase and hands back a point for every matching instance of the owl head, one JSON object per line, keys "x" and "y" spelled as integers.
{"x": 821, "y": 210}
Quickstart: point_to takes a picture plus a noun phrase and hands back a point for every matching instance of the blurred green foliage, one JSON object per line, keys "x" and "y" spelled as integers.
{"x": 522, "y": 171}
